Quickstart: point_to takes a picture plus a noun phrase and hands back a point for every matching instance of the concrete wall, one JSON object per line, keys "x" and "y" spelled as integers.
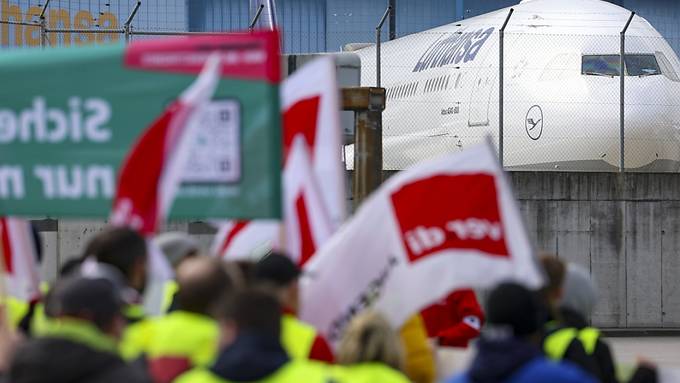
{"x": 625, "y": 229}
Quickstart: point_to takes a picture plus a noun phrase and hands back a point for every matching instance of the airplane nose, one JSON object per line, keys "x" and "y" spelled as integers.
{"x": 652, "y": 135}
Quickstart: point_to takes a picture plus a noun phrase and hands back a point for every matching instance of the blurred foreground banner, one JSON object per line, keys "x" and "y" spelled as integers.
{"x": 68, "y": 118}
{"x": 439, "y": 226}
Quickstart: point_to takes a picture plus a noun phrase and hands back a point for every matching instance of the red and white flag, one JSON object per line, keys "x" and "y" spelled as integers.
{"x": 20, "y": 258}
{"x": 313, "y": 174}
{"x": 151, "y": 173}
{"x": 439, "y": 226}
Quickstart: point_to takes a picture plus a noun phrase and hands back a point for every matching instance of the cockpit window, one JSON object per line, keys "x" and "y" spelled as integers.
{"x": 666, "y": 67}
{"x": 608, "y": 65}
{"x": 642, "y": 65}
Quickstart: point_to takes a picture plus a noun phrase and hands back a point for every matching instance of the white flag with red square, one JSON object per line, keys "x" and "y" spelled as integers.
{"x": 313, "y": 173}
{"x": 439, "y": 226}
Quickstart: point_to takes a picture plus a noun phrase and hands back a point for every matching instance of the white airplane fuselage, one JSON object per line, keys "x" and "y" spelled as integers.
{"x": 561, "y": 98}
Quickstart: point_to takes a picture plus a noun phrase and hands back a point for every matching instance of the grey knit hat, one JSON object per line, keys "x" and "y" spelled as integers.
{"x": 176, "y": 246}
{"x": 579, "y": 292}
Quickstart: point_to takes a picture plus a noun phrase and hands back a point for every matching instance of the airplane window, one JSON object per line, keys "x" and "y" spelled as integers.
{"x": 666, "y": 67}
{"x": 446, "y": 86}
{"x": 601, "y": 65}
{"x": 457, "y": 81}
{"x": 642, "y": 65}
{"x": 608, "y": 65}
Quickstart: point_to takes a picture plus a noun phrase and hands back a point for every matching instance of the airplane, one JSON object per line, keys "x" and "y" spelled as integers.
{"x": 561, "y": 89}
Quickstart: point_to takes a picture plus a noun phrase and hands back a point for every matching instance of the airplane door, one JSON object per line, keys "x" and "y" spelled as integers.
{"x": 480, "y": 98}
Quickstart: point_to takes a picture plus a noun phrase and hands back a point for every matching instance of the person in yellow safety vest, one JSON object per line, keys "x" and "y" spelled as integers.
{"x": 251, "y": 350}
{"x": 578, "y": 299}
{"x": 188, "y": 337}
{"x": 80, "y": 343}
{"x": 300, "y": 339}
{"x": 177, "y": 247}
{"x": 370, "y": 351}
{"x": 125, "y": 250}
{"x": 552, "y": 293}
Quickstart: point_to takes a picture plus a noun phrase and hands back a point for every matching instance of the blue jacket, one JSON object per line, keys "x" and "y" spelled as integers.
{"x": 516, "y": 361}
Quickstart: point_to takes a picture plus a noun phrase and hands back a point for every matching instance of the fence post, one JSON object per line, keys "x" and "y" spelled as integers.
{"x": 43, "y": 25}
{"x": 367, "y": 104}
{"x": 256, "y": 18}
{"x": 501, "y": 35}
{"x": 622, "y": 95}
{"x": 127, "y": 27}
{"x": 378, "y": 30}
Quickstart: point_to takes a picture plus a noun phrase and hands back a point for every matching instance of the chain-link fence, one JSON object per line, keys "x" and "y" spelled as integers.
{"x": 565, "y": 105}
{"x": 562, "y": 104}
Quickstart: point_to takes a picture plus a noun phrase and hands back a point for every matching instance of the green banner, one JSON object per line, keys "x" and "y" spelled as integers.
{"x": 69, "y": 116}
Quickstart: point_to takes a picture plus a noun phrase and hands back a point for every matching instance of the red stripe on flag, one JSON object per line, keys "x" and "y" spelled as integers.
{"x": 6, "y": 246}
{"x": 238, "y": 227}
{"x": 301, "y": 118}
{"x": 307, "y": 248}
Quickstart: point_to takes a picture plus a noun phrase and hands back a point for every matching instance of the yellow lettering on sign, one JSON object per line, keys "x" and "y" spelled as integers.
{"x": 83, "y": 20}
{"x": 11, "y": 13}
{"x": 32, "y": 33}
{"x": 108, "y": 21}
{"x": 57, "y": 18}
{"x": 60, "y": 18}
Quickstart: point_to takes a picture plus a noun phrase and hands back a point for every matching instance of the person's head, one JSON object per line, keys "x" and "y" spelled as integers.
{"x": 124, "y": 249}
{"x": 177, "y": 247}
{"x": 554, "y": 272}
{"x": 369, "y": 338}
{"x": 282, "y": 273}
{"x": 514, "y": 310}
{"x": 96, "y": 298}
{"x": 203, "y": 282}
{"x": 253, "y": 311}
{"x": 580, "y": 292}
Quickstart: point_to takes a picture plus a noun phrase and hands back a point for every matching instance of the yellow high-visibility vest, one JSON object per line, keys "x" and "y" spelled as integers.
{"x": 368, "y": 373}
{"x": 294, "y": 371}
{"x": 185, "y": 334}
{"x": 297, "y": 337}
{"x": 556, "y": 344}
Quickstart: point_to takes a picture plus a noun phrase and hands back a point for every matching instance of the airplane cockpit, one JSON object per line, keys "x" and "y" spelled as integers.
{"x": 636, "y": 65}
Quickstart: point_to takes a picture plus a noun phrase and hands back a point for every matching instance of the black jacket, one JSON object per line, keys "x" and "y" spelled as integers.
{"x": 251, "y": 357}
{"x": 55, "y": 360}
{"x": 601, "y": 362}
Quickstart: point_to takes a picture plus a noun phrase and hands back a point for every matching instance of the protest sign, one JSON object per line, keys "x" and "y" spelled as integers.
{"x": 69, "y": 116}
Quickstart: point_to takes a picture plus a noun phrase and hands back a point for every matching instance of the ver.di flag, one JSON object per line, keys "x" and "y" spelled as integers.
{"x": 439, "y": 226}
{"x": 20, "y": 259}
{"x": 313, "y": 183}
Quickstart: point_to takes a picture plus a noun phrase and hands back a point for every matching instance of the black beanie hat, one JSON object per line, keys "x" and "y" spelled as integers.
{"x": 277, "y": 268}
{"x": 513, "y": 305}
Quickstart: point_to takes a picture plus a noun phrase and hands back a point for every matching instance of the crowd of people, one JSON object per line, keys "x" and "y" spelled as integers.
{"x": 236, "y": 322}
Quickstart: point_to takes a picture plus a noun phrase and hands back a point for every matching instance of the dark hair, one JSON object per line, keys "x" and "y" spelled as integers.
{"x": 119, "y": 247}
{"x": 254, "y": 310}
{"x": 514, "y": 306}
{"x": 276, "y": 268}
{"x": 555, "y": 271}
{"x": 201, "y": 291}
{"x": 94, "y": 300}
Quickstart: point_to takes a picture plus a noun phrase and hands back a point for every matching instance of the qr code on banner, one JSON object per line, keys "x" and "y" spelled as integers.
{"x": 216, "y": 155}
